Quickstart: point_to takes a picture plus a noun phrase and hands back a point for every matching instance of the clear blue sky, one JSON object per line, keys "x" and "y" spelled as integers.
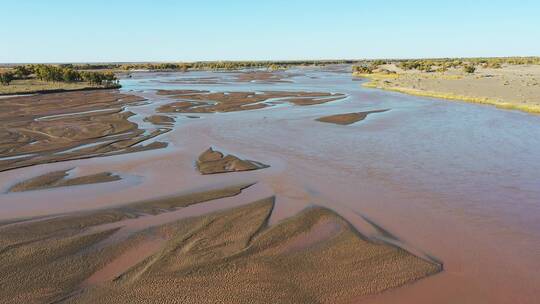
{"x": 161, "y": 30}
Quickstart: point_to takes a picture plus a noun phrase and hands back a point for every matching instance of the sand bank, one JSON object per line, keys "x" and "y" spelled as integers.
{"x": 348, "y": 118}
{"x": 62, "y": 179}
{"x": 231, "y": 254}
{"x": 515, "y": 87}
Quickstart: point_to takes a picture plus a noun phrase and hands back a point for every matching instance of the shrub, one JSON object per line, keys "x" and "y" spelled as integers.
{"x": 360, "y": 69}
{"x": 6, "y": 78}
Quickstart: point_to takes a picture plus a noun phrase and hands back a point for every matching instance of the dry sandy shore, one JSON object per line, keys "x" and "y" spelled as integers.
{"x": 514, "y": 87}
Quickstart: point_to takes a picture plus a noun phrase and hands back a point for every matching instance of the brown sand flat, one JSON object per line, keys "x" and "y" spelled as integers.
{"x": 213, "y": 162}
{"x": 512, "y": 86}
{"x": 234, "y": 257}
{"x": 348, "y": 118}
{"x": 60, "y": 179}
{"x": 207, "y": 102}
{"x": 55, "y": 127}
{"x": 160, "y": 120}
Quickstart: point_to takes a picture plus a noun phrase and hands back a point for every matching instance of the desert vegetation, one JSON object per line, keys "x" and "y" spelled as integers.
{"x": 206, "y": 65}
{"x": 442, "y": 64}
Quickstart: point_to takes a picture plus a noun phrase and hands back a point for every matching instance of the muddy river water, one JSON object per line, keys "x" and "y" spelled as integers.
{"x": 455, "y": 182}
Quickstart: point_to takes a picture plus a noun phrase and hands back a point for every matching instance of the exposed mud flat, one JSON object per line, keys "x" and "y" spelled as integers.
{"x": 211, "y": 102}
{"x": 47, "y": 128}
{"x": 214, "y": 162}
{"x": 231, "y": 254}
{"x": 62, "y": 179}
{"x": 348, "y": 118}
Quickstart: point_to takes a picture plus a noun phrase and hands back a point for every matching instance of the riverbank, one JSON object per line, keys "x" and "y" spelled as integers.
{"x": 34, "y": 86}
{"x": 513, "y": 87}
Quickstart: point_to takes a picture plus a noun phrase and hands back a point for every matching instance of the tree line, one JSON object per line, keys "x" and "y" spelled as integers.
{"x": 58, "y": 73}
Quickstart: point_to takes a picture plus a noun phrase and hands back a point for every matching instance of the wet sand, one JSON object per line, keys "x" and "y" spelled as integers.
{"x": 62, "y": 179}
{"x": 348, "y": 118}
{"x": 449, "y": 182}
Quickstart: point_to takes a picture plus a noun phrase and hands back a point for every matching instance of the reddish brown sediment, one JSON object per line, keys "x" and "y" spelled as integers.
{"x": 39, "y": 129}
{"x": 234, "y": 255}
{"x": 61, "y": 179}
{"x": 348, "y": 118}
{"x": 213, "y": 162}
{"x": 207, "y": 102}
{"x": 160, "y": 120}
{"x": 209, "y": 254}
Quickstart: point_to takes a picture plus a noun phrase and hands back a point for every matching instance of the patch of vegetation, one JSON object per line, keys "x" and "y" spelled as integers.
{"x": 362, "y": 69}
{"x": 43, "y": 78}
{"x": 208, "y": 65}
{"x": 6, "y": 78}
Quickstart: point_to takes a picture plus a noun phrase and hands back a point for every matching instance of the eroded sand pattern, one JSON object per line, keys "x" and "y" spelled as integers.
{"x": 56, "y": 127}
{"x": 231, "y": 255}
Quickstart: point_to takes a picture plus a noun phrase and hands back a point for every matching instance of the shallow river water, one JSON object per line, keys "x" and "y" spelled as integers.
{"x": 456, "y": 182}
